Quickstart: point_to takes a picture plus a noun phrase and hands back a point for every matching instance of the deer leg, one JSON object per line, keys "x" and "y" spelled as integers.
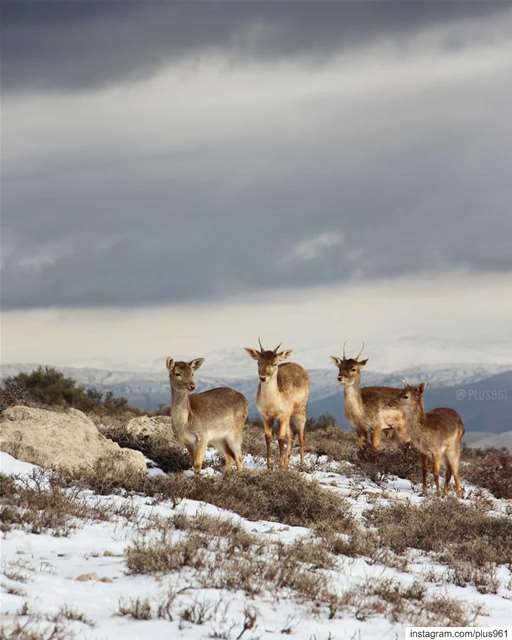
{"x": 228, "y": 463}
{"x": 199, "y": 451}
{"x": 284, "y": 437}
{"x": 299, "y": 422}
{"x": 234, "y": 449}
{"x": 289, "y": 445}
{"x": 437, "y": 471}
{"x": 453, "y": 461}
{"x": 267, "y": 426}
{"x": 376, "y": 437}
{"x": 362, "y": 438}
{"x": 424, "y": 470}
{"x": 447, "y": 475}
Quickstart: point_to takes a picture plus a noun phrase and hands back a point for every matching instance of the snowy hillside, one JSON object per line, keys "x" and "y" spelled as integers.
{"x": 131, "y": 566}
{"x": 149, "y": 389}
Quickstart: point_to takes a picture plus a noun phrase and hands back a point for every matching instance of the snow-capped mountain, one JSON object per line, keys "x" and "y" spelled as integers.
{"x": 149, "y": 389}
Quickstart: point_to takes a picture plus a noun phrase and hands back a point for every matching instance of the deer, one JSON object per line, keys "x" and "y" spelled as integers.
{"x": 282, "y": 395}
{"x": 437, "y": 435}
{"x": 366, "y": 408}
{"x": 214, "y": 417}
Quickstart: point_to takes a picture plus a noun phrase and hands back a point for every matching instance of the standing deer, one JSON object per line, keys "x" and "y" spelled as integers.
{"x": 437, "y": 435}
{"x": 282, "y": 395}
{"x": 216, "y": 416}
{"x": 367, "y": 408}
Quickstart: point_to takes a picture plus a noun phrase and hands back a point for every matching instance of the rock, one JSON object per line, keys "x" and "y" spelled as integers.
{"x": 62, "y": 439}
{"x": 92, "y": 577}
{"x": 154, "y": 428}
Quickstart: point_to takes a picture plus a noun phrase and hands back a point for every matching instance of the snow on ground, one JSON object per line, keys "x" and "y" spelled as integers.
{"x": 86, "y": 571}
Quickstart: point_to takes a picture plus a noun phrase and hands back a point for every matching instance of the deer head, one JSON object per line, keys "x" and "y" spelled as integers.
{"x": 268, "y": 361}
{"x": 410, "y": 398}
{"x": 349, "y": 369}
{"x": 181, "y": 374}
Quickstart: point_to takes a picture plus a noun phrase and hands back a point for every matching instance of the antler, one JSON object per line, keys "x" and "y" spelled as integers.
{"x": 362, "y": 349}
{"x": 277, "y": 348}
{"x": 344, "y": 345}
{"x": 261, "y": 346}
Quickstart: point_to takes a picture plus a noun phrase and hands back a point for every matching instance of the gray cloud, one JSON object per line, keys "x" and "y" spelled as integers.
{"x": 62, "y": 45}
{"x": 406, "y": 177}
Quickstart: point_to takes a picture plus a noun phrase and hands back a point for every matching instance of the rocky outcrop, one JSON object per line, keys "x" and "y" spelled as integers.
{"x": 62, "y": 439}
{"x": 147, "y": 428}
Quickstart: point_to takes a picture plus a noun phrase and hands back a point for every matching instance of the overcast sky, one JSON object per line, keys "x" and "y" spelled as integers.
{"x": 184, "y": 176}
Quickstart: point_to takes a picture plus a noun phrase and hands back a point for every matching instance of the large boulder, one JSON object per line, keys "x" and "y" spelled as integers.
{"x": 154, "y": 436}
{"x": 148, "y": 428}
{"x": 62, "y": 439}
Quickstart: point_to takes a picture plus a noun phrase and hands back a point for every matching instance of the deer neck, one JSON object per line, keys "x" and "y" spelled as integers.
{"x": 180, "y": 411}
{"x": 269, "y": 391}
{"x": 415, "y": 417}
{"x": 353, "y": 399}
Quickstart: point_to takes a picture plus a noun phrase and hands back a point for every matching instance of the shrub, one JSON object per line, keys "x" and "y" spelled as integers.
{"x": 40, "y": 504}
{"x": 48, "y": 387}
{"x": 454, "y": 531}
{"x": 281, "y": 495}
{"x": 489, "y": 468}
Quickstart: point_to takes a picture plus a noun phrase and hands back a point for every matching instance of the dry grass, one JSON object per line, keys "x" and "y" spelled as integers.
{"x": 210, "y": 550}
{"x": 281, "y": 496}
{"x": 40, "y": 503}
{"x": 469, "y": 539}
{"x": 34, "y": 630}
{"x": 489, "y": 468}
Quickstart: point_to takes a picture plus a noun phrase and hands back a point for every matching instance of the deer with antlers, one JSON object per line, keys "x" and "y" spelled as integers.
{"x": 366, "y": 408}
{"x": 282, "y": 395}
{"x": 216, "y": 416}
{"x": 437, "y": 435}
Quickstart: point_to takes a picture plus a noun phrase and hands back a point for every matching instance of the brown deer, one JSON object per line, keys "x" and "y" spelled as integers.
{"x": 437, "y": 435}
{"x": 215, "y": 417}
{"x": 282, "y": 395}
{"x": 366, "y": 408}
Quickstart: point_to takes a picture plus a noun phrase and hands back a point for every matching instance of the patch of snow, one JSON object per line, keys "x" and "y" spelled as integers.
{"x": 86, "y": 570}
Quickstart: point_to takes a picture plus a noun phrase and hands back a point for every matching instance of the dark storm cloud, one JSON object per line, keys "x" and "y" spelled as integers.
{"x": 225, "y": 221}
{"x": 74, "y": 45}
{"x": 387, "y": 182}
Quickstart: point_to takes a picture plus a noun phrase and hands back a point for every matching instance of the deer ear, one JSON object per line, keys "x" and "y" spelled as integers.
{"x": 284, "y": 355}
{"x": 195, "y": 364}
{"x": 362, "y": 363}
{"x": 169, "y": 363}
{"x": 255, "y": 355}
{"x": 336, "y": 360}
{"x": 421, "y": 388}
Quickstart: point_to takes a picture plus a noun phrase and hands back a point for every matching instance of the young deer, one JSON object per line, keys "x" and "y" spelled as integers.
{"x": 437, "y": 435}
{"x": 367, "y": 408}
{"x": 216, "y": 416}
{"x": 282, "y": 395}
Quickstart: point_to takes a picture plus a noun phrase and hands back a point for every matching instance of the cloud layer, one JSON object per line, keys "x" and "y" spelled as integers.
{"x": 199, "y": 151}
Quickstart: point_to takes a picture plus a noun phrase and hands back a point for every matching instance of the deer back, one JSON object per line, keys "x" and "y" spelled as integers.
{"x": 217, "y": 410}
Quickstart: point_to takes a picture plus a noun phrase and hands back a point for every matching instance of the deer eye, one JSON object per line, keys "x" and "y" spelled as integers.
{"x": 353, "y": 369}
{"x": 178, "y": 375}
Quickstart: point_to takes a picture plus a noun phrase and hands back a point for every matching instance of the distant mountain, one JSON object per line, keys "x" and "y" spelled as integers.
{"x": 495, "y": 441}
{"x": 481, "y": 392}
{"x": 484, "y": 404}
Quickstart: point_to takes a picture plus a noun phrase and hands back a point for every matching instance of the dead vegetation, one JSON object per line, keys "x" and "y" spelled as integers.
{"x": 221, "y": 555}
{"x": 489, "y": 468}
{"x": 469, "y": 539}
{"x": 40, "y": 503}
